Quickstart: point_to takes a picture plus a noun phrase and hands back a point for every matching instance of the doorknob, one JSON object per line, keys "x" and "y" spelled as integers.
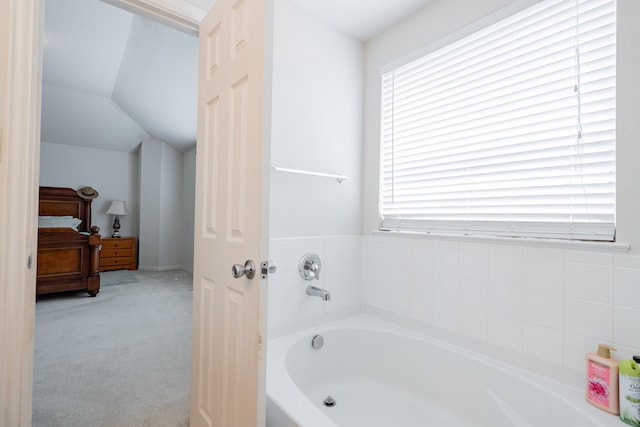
{"x": 248, "y": 269}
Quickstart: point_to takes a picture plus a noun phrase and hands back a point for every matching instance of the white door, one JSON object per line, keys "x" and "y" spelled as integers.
{"x": 229, "y": 348}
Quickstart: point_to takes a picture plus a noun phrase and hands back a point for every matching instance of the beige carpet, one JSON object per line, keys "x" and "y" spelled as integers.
{"x": 122, "y": 358}
{"x": 117, "y": 277}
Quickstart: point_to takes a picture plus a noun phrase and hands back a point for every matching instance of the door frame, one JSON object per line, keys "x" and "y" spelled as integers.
{"x": 175, "y": 13}
{"x": 21, "y": 33}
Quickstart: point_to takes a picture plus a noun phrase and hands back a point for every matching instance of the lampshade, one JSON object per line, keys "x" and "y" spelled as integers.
{"x": 117, "y": 207}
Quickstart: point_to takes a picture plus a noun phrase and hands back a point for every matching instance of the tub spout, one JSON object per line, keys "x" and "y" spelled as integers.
{"x": 318, "y": 292}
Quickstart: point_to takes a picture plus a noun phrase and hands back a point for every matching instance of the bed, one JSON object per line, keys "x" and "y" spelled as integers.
{"x": 68, "y": 258}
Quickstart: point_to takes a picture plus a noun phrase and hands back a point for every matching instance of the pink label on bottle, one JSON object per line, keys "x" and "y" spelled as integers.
{"x": 599, "y": 377}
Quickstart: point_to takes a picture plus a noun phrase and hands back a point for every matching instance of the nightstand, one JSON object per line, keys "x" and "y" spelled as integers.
{"x": 118, "y": 253}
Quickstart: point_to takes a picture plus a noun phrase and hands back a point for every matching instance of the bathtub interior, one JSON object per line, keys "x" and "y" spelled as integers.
{"x": 382, "y": 378}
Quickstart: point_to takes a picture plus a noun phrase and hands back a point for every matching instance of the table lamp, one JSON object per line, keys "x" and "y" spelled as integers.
{"x": 117, "y": 208}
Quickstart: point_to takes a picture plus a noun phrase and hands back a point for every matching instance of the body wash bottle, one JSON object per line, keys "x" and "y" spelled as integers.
{"x": 630, "y": 392}
{"x": 602, "y": 380}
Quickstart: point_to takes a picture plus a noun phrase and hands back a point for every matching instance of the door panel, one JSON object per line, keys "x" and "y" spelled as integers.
{"x": 228, "y": 319}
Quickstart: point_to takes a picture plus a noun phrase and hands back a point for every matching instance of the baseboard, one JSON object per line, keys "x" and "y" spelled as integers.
{"x": 161, "y": 268}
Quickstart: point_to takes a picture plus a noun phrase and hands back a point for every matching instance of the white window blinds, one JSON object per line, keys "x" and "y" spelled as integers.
{"x": 509, "y": 131}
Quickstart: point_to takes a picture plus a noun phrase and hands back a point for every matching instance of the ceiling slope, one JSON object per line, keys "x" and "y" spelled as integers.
{"x": 75, "y": 117}
{"x": 158, "y": 87}
{"x": 111, "y": 80}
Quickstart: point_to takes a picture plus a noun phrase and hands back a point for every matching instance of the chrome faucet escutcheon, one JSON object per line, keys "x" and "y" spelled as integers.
{"x": 309, "y": 267}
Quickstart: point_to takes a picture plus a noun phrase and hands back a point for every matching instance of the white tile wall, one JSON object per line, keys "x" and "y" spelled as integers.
{"x": 626, "y": 327}
{"x": 592, "y": 319}
{"x": 553, "y": 304}
{"x": 542, "y": 342}
{"x": 340, "y": 274}
{"x": 505, "y": 301}
{"x": 473, "y": 323}
{"x": 543, "y": 309}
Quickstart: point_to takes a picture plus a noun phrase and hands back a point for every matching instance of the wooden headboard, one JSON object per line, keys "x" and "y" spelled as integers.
{"x": 55, "y": 201}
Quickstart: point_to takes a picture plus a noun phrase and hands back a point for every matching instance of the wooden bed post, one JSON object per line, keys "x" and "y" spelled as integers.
{"x": 93, "y": 285}
{"x": 87, "y": 215}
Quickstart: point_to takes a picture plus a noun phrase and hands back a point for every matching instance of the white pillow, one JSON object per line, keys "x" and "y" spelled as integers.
{"x": 59, "y": 222}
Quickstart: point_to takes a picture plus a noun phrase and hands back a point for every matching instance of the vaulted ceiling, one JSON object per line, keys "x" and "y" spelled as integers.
{"x": 112, "y": 79}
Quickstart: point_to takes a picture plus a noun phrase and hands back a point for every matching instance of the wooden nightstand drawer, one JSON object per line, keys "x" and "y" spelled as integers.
{"x": 118, "y": 243}
{"x": 118, "y": 253}
{"x": 109, "y": 253}
{"x": 110, "y": 262}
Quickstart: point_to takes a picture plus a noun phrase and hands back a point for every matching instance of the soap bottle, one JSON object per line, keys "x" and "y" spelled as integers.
{"x": 630, "y": 391}
{"x": 602, "y": 380}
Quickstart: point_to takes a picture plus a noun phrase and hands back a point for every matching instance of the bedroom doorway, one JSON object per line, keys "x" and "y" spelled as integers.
{"x": 121, "y": 90}
{"x": 100, "y": 81}
{"x": 103, "y": 67}
{"x": 239, "y": 192}
{"x": 22, "y": 37}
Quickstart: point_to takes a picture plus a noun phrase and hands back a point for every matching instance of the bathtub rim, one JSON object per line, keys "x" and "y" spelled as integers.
{"x": 301, "y": 410}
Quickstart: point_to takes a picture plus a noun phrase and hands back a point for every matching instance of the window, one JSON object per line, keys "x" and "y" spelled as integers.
{"x": 509, "y": 131}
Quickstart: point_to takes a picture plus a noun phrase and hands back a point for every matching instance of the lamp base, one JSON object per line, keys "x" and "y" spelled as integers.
{"x": 116, "y": 227}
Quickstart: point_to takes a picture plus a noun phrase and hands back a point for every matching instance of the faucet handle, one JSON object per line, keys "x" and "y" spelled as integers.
{"x": 315, "y": 270}
{"x": 309, "y": 267}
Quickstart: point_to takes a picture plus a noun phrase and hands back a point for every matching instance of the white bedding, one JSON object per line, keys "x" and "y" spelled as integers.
{"x": 59, "y": 222}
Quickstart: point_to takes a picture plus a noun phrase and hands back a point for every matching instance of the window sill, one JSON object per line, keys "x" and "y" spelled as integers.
{"x": 520, "y": 241}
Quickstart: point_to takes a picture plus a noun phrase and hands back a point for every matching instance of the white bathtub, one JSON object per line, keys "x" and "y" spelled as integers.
{"x": 382, "y": 375}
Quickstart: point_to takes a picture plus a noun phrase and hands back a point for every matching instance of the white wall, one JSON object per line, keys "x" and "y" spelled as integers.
{"x": 188, "y": 207}
{"x": 170, "y": 207}
{"x": 316, "y": 125}
{"x": 150, "y": 193}
{"x": 113, "y": 174}
{"x": 160, "y": 206}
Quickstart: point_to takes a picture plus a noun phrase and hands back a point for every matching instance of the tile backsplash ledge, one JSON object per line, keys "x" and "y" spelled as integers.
{"x": 552, "y": 303}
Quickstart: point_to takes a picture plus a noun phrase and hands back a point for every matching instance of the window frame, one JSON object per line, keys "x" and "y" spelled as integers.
{"x": 475, "y": 227}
